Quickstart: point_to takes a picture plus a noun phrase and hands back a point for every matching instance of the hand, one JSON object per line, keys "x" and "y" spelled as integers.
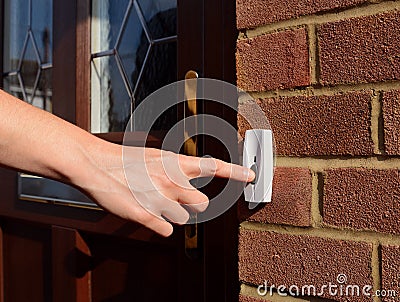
{"x": 158, "y": 181}
{"x": 38, "y": 142}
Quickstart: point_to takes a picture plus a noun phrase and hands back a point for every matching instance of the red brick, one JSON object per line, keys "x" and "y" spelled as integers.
{"x": 250, "y": 115}
{"x": 363, "y": 199}
{"x": 391, "y": 272}
{"x": 253, "y": 13}
{"x": 283, "y": 259}
{"x": 360, "y": 50}
{"x": 291, "y": 200}
{"x": 278, "y": 60}
{"x": 251, "y": 299}
{"x": 391, "y": 121}
{"x": 319, "y": 125}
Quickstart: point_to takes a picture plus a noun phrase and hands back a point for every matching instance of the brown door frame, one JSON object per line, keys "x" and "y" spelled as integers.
{"x": 212, "y": 33}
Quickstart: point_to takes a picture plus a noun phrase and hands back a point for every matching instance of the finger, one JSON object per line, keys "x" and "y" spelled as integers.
{"x": 173, "y": 170}
{"x": 196, "y": 200}
{"x": 203, "y": 167}
{"x": 135, "y": 212}
{"x": 123, "y": 207}
{"x": 159, "y": 204}
{"x": 154, "y": 223}
{"x": 175, "y": 213}
{"x": 236, "y": 172}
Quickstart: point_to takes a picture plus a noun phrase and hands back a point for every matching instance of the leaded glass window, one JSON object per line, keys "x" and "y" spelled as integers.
{"x": 133, "y": 46}
{"x": 28, "y": 50}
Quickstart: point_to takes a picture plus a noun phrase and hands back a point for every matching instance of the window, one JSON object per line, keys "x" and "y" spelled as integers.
{"x": 27, "y": 54}
{"x": 133, "y": 50}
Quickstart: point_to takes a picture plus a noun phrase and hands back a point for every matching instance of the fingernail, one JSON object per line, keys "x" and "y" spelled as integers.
{"x": 249, "y": 174}
{"x": 252, "y": 175}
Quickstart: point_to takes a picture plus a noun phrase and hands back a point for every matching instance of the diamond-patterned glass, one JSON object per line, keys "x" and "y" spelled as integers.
{"x": 29, "y": 69}
{"x": 107, "y": 18}
{"x": 142, "y": 52}
{"x": 131, "y": 45}
{"x": 43, "y": 91}
{"x": 15, "y": 31}
{"x": 27, "y": 56}
{"x": 42, "y": 19}
{"x": 160, "y": 17}
{"x": 11, "y": 84}
{"x": 114, "y": 107}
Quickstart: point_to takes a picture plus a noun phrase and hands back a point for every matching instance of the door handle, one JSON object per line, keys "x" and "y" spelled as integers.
{"x": 190, "y": 147}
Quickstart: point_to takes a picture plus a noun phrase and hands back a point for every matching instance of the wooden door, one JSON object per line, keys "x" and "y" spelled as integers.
{"x": 53, "y": 252}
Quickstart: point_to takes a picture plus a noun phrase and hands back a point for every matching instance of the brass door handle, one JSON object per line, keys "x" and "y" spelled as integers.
{"x": 190, "y": 147}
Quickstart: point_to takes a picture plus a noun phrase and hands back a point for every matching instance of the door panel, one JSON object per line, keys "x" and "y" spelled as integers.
{"x": 71, "y": 266}
{"x": 27, "y": 262}
{"x": 80, "y": 254}
{"x": 139, "y": 271}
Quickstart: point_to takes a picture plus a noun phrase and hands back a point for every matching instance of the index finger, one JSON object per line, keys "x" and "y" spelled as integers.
{"x": 233, "y": 171}
{"x": 207, "y": 166}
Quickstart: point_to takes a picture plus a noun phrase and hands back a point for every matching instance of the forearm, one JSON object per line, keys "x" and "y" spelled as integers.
{"x": 36, "y": 141}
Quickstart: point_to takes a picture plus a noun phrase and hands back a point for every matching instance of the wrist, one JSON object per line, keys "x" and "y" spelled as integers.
{"x": 95, "y": 158}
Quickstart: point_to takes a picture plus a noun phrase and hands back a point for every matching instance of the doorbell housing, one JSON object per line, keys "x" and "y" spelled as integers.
{"x": 258, "y": 155}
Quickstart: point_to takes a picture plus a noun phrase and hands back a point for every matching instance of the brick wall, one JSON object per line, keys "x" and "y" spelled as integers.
{"x": 327, "y": 75}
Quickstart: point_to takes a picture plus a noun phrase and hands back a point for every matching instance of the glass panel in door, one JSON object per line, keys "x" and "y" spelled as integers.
{"x": 134, "y": 53}
{"x": 27, "y": 53}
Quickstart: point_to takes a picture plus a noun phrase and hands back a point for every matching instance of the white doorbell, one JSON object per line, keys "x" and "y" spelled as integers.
{"x": 258, "y": 155}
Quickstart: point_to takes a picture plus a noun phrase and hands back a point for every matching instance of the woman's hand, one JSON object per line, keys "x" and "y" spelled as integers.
{"x": 153, "y": 179}
{"x": 38, "y": 142}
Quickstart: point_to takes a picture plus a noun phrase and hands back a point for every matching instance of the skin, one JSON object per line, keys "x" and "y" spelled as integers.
{"x": 35, "y": 141}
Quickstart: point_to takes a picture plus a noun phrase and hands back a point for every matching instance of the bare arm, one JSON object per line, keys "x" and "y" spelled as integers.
{"x": 38, "y": 142}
